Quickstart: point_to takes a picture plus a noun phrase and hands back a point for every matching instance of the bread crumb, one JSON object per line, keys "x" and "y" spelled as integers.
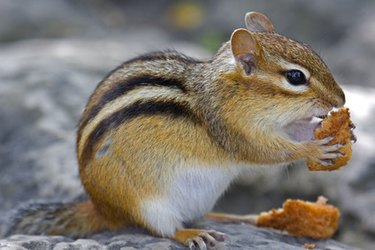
{"x": 317, "y": 220}
{"x": 309, "y": 245}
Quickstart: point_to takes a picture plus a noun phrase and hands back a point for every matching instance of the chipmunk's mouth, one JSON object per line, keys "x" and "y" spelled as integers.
{"x": 303, "y": 129}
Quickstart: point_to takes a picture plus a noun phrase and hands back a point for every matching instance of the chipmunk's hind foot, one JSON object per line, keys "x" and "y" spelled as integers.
{"x": 200, "y": 239}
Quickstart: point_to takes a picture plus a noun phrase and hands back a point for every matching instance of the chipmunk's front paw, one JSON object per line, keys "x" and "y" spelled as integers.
{"x": 327, "y": 153}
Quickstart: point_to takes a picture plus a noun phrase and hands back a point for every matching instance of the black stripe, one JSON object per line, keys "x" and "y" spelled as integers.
{"x": 157, "y": 56}
{"x": 136, "y": 109}
{"x": 129, "y": 84}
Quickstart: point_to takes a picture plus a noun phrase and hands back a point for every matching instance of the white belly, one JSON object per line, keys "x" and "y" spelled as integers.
{"x": 195, "y": 191}
{"x": 192, "y": 193}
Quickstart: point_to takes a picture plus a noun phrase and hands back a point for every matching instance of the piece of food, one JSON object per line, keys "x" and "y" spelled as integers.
{"x": 317, "y": 220}
{"x": 309, "y": 245}
{"x": 339, "y": 126}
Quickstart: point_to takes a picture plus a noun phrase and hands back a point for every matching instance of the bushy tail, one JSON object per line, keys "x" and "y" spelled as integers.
{"x": 70, "y": 219}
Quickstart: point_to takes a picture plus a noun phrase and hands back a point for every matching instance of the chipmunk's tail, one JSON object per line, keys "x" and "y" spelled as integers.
{"x": 70, "y": 219}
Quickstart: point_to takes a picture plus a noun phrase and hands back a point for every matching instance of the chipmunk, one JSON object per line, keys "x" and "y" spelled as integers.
{"x": 164, "y": 135}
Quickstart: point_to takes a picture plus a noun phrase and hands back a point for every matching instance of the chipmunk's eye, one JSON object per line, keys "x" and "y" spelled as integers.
{"x": 295, "y": 77}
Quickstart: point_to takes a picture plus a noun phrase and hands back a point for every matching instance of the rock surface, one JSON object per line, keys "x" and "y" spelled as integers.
{"x": 241, "y": 236}
{"x": 45, "y": 82}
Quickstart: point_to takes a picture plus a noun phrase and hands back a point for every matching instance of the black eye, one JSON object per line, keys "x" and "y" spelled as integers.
{"x": 295, "y": 77}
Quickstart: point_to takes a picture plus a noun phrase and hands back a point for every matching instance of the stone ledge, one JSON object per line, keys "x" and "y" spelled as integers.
{"x": 241, "y": 236}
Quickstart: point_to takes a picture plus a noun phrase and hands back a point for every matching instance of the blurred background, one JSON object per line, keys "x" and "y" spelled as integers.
{"x": 53, "y": 53}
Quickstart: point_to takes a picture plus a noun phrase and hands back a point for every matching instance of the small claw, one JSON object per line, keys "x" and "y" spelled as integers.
{"x": 210, "y": 240}
{"x": 200, "y": 242}
{"x": 205, "y": 240}
{"x": 325, "y": 140}
{"x": 332, "y": 155}
{"x": 196, "y": 243}
{"x": 325, "y": 163}
{"x": 353, "y": 138}
{"x": 218, "y": 236}
{"x": 190, "y": 244}
{"x": 332, "y": 148}
{"x": 352, "y": 126}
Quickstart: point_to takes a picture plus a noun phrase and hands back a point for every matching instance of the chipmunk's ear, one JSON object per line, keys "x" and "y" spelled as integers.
{"x": 258, "y": 22}
{"x": 244, "y": 49}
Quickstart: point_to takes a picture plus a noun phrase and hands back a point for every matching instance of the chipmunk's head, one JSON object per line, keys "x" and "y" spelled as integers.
{"x": 285, "y": 82}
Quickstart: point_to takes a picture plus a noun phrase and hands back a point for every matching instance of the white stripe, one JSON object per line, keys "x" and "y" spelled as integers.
{"x": 289, "y": 66}
{"x": 284, "y": 82}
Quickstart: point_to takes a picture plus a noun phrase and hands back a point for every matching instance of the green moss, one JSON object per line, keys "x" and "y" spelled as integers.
{"x": 212, "y": 40}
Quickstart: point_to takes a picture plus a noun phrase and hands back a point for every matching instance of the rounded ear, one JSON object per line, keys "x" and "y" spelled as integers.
{"x": 244, "y": 49}
{"x": 258, "y": 22}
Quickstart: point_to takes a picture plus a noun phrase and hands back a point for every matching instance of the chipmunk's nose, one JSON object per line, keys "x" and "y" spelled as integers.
{"x": 339, "y": 99}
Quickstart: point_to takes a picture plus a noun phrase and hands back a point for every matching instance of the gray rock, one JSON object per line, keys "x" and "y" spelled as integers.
{"x": 241, "y": 236}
